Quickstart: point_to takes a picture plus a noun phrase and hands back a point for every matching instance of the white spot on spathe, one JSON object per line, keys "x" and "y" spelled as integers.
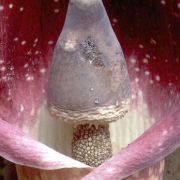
{"x": 140, "y": 93}
{"x": 50, "y": 42}
{"x": 141, "y": 46}
{"x": 164, "y": 132}
{"x": 136, "y": 80}
{"x": 133, "y": 60}
{"x": 32, "y": 113}
{"x": 1, "y": 7}
{"x": 23, "y": 43}
{"x": 171, "y": 128}
{"x": 163, "y": 2}
{"x": 178, "y": 5}
{"x": 151, "y": 81}
{"x": 147, "y": 56}
{"x": 36, "y": 40}
{"x": 157, "y": 78}
{"x": 10, "y": 6}
{"x": 153, "y": 41}
{"x": 1, "y": 61}
{"x": 21, "y": 108}
{"x": 147, "y": 73}
{"x": 170, "y": 104}
{"x": 16, "y": 39}
{"x": 36, "y": 52}
{"x": 29, "y": 52}
{"x": 29, "y": 77}
{"x": 4, "y": 78}
{"x": 171, "y": 91}
{"x": 145, "y": 61}
{"x": 56, "y": 10}
{"x": 56, "y": 0}
{"x": 42, "y": 70}
{"x": 19, "y": 114}
{"x": 9, "y": 99}
{"x": 21, "y": 9}
{"x": 137, "y": 69}
{"x": 3, "y": 68}
{"x": 9, "y": 92}
{"x": 114, "y": 20}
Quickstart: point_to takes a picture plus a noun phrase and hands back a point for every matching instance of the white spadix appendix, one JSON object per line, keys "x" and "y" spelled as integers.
{"x": 89, "y": 85}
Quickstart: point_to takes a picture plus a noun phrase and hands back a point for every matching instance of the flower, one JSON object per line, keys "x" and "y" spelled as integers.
{"x": 28, "y": 34}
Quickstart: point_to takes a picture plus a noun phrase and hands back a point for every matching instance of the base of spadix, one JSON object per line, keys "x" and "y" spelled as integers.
{"x": 91, "y": 144}
{"x": 91, "y": 138}
{"x": 99, "y": 115}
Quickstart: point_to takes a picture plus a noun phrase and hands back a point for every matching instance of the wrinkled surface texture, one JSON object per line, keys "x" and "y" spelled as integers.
{"x": 149, "y": 36}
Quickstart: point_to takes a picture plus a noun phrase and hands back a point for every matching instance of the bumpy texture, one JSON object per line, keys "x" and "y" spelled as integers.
{"x": 91, "y": 53}
{"x": 91, "y": 144}
{"x": 100, "y": 115}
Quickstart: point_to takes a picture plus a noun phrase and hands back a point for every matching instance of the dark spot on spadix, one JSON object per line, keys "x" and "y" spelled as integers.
{"x": 90, "y": 53}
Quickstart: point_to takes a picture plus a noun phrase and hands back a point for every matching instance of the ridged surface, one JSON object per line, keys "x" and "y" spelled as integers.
{"x": 91, "y": 144}
{"x": 100, "y": 115}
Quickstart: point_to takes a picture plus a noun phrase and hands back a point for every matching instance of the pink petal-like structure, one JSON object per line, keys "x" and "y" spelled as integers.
{"x": 17, "y": 147}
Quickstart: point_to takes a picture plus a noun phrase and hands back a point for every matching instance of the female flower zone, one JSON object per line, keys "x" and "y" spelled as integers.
{"x": 72, "y": 105}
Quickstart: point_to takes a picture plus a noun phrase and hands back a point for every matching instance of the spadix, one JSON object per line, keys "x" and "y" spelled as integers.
{"x": 88, "y": 82}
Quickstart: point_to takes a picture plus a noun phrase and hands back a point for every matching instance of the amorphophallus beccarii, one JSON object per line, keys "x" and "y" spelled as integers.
{"x": 152, "y": 69}
{"x": 89, "y": 85}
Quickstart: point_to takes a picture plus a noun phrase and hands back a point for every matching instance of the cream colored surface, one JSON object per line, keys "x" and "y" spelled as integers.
{"x": 53, "y": 132}
{"x": 124, "y": 131}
